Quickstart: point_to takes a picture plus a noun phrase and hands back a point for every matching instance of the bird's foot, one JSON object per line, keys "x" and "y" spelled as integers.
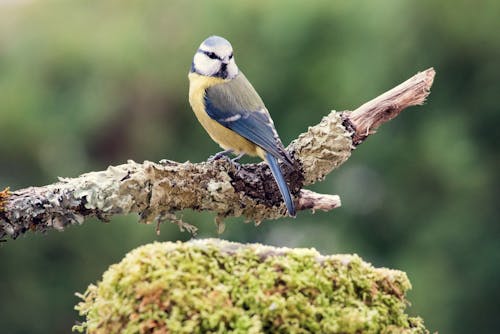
{"x": 237, "y": 158}
{"x": 219, "y": 155}
{"x": 235, "y": 161}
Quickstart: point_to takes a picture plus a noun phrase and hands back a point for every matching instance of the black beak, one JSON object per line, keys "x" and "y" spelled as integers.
{"x": 222, "y": 71}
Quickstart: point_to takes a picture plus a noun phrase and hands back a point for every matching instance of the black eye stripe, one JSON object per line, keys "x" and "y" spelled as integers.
{"x": 211, "y": 55}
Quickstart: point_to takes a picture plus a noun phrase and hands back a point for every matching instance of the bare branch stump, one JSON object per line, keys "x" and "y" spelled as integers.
{"x": 159, "y": 190}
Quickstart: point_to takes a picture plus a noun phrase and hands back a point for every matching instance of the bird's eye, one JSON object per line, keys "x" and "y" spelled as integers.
{"x": 212, "y": 55}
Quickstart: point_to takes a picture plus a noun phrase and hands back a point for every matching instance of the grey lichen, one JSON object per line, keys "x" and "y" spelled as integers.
{"x": 222, "y": 287}
{"x": 323, "y": 147}
{"x": 152, "y": 190}
{"x": 69, "y": 201}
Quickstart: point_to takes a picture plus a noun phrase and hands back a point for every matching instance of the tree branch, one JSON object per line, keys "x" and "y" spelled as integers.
{"x": 159, "y": 190}
{"x": 367, "y": 118}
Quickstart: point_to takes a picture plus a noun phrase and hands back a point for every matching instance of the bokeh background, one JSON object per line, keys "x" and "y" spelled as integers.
{"x": 87, "y": 84}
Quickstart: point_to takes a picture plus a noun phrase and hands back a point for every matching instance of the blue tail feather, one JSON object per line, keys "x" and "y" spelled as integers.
{"x": 278, "y": 176}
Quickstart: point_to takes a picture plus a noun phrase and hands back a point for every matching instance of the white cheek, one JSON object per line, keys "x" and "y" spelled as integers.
{"x": 232, "y": 69}
{"x": 205, "y": 65}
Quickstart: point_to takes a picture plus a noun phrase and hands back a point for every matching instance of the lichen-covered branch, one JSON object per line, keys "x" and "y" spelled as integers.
{"x": 218, "y": 286}
{"x": 156, "y": 191}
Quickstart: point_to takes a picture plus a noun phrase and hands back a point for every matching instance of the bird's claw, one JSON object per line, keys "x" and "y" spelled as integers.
{"x": 219, "y": 155}
{"x": 235, "y": 162}
{"x": 237, "y": 158}
{"x": 236, "y": 165}
{"x": 223, "y": 154}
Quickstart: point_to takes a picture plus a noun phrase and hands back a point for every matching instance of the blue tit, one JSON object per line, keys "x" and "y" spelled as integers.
{"x": 232, "y": 112}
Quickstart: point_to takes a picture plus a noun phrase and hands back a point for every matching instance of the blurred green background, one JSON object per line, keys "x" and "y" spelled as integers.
{"x": 87, "y": 84}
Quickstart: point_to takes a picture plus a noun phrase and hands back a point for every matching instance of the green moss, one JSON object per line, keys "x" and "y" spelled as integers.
{"x": 216, "y": 286}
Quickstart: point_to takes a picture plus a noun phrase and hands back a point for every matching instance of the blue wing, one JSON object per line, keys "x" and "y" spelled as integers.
{"x": 237, "y": 106}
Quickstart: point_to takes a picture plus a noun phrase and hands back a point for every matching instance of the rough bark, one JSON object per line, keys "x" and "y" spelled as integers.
{"x": 156, "y": 191}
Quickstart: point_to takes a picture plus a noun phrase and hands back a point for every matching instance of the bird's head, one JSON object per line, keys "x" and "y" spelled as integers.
{"x": 214, "y": 58}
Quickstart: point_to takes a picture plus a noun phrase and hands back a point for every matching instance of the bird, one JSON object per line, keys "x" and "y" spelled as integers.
{"x": 232, "y": 112}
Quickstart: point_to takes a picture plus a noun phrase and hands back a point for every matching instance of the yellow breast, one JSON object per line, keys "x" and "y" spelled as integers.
{"x": 223, "y": 136}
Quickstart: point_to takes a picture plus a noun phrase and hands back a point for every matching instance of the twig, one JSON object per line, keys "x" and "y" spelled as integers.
{"x": 367, "y": 118}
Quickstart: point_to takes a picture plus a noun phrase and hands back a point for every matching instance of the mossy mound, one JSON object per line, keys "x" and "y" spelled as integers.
{"x": 214, "y": 286}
